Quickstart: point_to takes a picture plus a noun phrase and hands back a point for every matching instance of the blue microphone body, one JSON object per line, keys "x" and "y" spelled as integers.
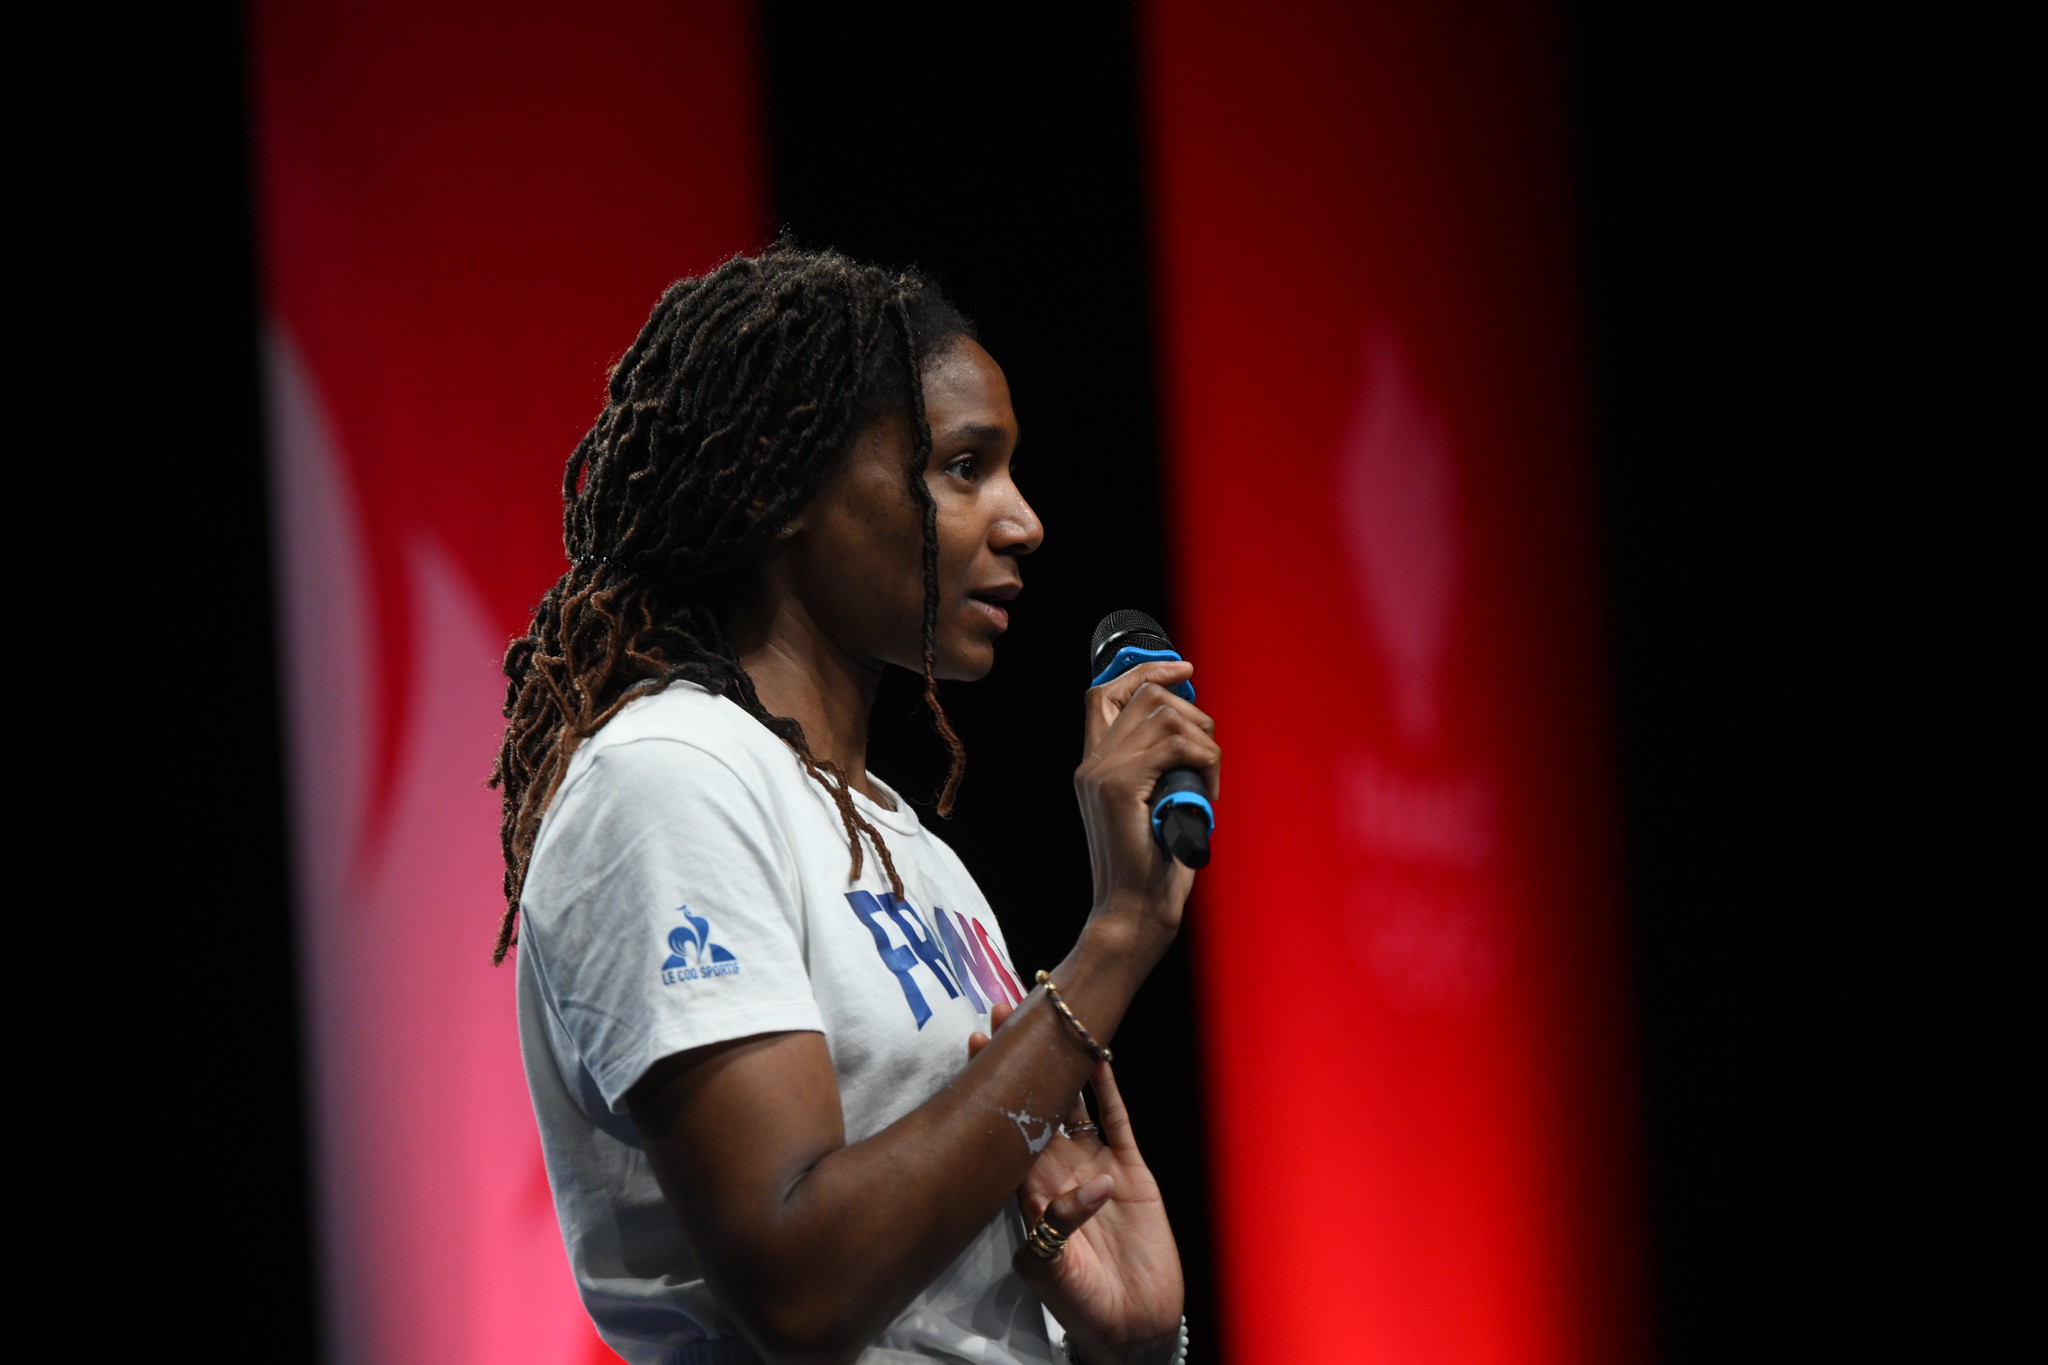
{"x": 1182, "y": 816}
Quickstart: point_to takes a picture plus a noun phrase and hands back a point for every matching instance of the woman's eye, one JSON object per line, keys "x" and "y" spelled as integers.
{"x": 966, "y": 467}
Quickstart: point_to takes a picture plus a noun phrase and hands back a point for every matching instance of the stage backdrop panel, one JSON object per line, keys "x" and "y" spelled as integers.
{"x": 466, "y": 211}
{"x": 1408, "y": 948}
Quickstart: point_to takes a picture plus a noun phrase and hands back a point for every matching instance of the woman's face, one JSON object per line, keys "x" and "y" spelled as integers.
{"x": 857, "y": 551}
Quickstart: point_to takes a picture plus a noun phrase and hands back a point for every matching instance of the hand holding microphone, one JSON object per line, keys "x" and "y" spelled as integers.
{"x": 1182, "y": 815}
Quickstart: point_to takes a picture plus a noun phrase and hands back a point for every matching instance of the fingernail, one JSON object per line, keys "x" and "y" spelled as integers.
{"x": 1095, "y": 1193}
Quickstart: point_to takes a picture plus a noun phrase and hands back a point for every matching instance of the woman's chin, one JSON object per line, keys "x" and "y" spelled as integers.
{"x": 969, "y": 664}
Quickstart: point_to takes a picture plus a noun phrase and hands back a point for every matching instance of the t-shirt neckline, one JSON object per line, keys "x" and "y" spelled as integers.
{"x": 902, "y": 820}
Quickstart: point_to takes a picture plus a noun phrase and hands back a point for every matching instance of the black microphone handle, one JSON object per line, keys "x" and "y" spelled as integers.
{"x": 1183, "y": 827}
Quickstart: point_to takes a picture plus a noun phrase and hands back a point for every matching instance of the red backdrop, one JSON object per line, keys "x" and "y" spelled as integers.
{"x": 466, "y": 211}
{"x": 1407, "y": 943}
{"x": 1380, "y": 498}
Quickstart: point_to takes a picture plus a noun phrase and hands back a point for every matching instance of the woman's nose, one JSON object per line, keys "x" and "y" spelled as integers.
{"x": 1018, "y": 530}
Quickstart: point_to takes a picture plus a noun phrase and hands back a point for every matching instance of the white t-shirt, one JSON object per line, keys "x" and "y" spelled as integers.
{"x": 689, "y": 886}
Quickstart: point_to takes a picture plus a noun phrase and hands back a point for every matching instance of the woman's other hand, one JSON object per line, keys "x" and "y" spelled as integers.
{"x": 1116, "y": 1286}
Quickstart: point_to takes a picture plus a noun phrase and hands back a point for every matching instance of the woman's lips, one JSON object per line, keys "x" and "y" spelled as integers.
{"x": 995, "y": 603}
{"x": 995, "y": 612}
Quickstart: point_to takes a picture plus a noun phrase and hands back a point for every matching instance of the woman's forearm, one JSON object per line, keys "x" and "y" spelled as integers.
{"x": 814, "y": 1245}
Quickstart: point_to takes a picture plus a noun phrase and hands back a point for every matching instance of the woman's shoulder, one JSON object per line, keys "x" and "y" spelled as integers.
{"x": 676, "y": 760}
{"x": 679, "y": 728}
{"x": 684, "y": 713}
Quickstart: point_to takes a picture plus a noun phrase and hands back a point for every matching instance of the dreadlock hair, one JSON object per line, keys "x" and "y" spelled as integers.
{"x": 740, "y": 397}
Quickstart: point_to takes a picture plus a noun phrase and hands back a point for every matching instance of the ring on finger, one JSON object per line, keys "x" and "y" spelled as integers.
{"x": 1046, "y": 1241}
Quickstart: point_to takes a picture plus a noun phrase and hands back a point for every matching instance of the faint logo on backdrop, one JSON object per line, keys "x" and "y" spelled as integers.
{"x": 1421, "y": 911}
{"x": 1397, "y": 493}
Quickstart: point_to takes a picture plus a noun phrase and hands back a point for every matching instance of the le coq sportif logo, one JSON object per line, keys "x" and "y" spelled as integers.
{"x": 691, "y": 953}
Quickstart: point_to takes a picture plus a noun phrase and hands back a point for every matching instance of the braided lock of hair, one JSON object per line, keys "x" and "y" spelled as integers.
{"x": 739, "y": 398}
{"x": 922, "y": 493}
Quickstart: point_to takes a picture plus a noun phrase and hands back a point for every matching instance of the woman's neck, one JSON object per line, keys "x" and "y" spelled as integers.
{"x": 800, "y": 673}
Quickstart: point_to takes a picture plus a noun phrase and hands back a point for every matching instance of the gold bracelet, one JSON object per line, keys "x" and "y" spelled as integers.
{"x": 1052, "y": 993}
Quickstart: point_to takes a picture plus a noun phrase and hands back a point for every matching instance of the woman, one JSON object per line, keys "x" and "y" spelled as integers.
{"x": 756, "y": 996}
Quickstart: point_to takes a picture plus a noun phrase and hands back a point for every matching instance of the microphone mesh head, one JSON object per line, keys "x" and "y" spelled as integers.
{"x": 1121, "y": 628}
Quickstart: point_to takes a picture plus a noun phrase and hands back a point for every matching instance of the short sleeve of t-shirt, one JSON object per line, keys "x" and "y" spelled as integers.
{"x": 659, "y": 868}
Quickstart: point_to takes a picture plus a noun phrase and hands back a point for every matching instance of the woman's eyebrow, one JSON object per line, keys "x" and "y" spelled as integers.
{"x": 974, "y": 431}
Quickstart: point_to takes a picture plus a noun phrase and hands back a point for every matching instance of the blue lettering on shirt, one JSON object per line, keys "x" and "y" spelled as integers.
{"x": 901, "y": 960}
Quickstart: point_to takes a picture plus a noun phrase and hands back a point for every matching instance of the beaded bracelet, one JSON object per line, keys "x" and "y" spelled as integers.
{"x": 1052, "y": 993}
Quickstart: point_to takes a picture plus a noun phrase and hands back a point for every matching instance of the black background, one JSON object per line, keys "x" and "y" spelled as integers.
{"x": 1804, "y": 388}
{"x": 1797, "y": 286}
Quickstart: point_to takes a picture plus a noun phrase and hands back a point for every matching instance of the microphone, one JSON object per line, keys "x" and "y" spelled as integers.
{"x": 1181, "y": 814}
